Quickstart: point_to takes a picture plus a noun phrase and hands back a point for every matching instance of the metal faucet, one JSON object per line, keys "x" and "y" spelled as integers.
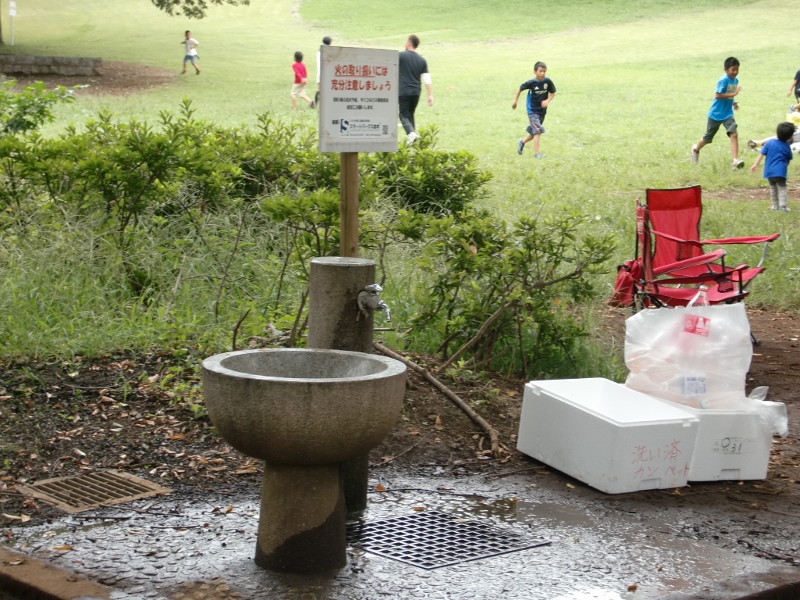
{"x": 368, "y": 298}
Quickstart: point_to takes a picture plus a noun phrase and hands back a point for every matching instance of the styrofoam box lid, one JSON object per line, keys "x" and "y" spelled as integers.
{"x": 612, "y": 401}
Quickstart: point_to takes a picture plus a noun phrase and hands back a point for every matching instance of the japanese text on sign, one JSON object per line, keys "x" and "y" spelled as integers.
{"x": 358, "y": 100}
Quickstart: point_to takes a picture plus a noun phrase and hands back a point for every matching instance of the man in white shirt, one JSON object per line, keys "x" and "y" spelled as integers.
{"x": 412, "y": 67}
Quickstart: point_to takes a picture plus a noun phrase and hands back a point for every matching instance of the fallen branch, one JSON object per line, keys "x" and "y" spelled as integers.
{"x": 386, "y": 462}
{"x": 476, "y": 418}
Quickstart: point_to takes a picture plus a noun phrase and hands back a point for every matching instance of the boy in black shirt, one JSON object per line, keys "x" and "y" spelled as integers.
{"x": 541, "y": 90}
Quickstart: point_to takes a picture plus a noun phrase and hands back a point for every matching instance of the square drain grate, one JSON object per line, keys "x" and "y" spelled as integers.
{"x": 90, "y": 490}
{"x": 432, "y": 539}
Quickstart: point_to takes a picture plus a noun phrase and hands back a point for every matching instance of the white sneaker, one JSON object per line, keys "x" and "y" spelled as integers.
{"x": 411, "y": 138}
{"x": 737, "y": 163}
{"x": 695, "y": 155}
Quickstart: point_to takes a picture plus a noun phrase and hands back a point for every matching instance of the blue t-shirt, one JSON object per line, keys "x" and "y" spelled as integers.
{"x": 722, "y": 108}
{"x": 778, "y": 154}
{"x": 538, "y": 91}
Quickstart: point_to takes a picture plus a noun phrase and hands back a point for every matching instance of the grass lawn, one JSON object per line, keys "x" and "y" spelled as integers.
{"x": 634, "y": 83}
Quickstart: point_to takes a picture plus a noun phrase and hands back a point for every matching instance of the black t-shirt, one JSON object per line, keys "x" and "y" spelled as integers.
{"x": 411, "y": 67}
{"x": 797, "y": 85}
{"x": 538, "y": 91}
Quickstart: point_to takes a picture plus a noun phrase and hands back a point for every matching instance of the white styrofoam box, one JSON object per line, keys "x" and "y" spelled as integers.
{"x": 609, "y": 436}
{"x": 730, "y": 445}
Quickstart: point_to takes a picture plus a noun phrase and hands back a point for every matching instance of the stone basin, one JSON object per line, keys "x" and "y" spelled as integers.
{"x": 301, "y": 406}
{"x": 304, "y": 412}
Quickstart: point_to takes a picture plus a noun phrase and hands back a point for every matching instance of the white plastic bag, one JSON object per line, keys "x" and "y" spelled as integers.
{"x": 772, "y": 415}
{"x": 697, "y": 356}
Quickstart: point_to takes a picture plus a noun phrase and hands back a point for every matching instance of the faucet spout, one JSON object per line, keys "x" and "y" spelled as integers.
{"x": 369, "y": 299}
{"x": 385, "y": 308}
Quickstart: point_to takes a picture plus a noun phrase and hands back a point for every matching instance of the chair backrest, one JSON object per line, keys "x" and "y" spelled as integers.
{"x": 676, "y": 212}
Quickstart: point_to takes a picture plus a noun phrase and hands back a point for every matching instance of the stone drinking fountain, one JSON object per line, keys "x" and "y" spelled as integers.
{"x": 304, "y": 412}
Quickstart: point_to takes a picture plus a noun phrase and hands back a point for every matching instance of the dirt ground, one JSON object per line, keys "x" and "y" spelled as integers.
{"x": 116, "y": 79}
{"x": 136, "y": 413}
{"x": 129, "y": 412}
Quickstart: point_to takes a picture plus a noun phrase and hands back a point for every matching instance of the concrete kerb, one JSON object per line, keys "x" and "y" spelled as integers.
{"x": 31, "y": 578}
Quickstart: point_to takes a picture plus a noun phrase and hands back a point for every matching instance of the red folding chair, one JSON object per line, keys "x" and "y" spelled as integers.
{"x": 670, "y": 267}
{"x": 674, "y": 219}
{"x": 676, "y": 283}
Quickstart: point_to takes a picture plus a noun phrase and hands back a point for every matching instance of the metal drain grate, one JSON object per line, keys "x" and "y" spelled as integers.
{"x": 432, "y": 539}
{"x": 91, "y": 490}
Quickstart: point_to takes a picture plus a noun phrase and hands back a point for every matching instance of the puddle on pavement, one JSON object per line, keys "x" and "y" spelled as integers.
{"x": 682, "y": 563}
{"x": 705, "y": 563}
{"x": 596, "y": 552}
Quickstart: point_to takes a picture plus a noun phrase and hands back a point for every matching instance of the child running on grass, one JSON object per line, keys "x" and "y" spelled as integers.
{"x": 541, "y": 90}
{"x": 795, "y": 87}
{"x": 778, "y": 155}
{"x": 794, "y": 118}
{"x": 300, "y": 81}
{"x": 721, "y": 113}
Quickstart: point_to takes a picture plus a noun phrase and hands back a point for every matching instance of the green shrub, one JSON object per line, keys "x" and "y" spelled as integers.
{"x": 423, "y": 179}
{"x": 501, "y": 297}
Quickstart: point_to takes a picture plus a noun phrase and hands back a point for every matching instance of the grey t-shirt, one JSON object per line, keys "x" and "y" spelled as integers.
{"x": 411, "y": 67}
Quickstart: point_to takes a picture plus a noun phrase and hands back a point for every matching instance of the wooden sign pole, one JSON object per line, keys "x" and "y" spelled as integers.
{"x": 348, "y": 209}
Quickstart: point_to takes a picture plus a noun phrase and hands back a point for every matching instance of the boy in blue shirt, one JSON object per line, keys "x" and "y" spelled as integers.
{"x": 778, "y": 153}
{"x": 721, "y": 113}
{"x": 541, "y": 90}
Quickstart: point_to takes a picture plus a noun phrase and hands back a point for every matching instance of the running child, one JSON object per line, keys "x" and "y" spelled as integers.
{"x": 541, "y": 91}
{"x": 721, "y": 113}
{"x": 776, "y": 166}
{"x": 300, "y": 81}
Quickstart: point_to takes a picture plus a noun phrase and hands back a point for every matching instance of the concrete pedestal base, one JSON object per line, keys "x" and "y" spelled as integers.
{"x": 301, "y": 527}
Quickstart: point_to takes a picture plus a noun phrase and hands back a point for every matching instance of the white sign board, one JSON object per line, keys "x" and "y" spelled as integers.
{"x": 358, "y": 99}
{"x": 12, "y": 9}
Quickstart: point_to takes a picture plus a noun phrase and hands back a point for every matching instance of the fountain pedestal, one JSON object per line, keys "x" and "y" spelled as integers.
{"x": 301, "y": 527}
{"x": 304, "y": 412}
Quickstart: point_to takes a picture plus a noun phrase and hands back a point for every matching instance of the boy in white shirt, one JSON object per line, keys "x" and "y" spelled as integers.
{"x": 190, "y": 55}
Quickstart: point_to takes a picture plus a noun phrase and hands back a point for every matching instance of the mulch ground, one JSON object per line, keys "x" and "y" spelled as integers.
{"x": 142, "y": 414}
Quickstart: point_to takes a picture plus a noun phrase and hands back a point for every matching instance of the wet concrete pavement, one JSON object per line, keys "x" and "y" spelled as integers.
{"x": 178, "y": 549}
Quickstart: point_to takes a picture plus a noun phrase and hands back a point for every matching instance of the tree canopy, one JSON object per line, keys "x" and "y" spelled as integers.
{"x": 194, "y": 9}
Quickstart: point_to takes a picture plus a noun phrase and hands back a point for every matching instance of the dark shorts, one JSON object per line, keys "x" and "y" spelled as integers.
{"x": 536, "y": 127}
{"x": 713, "y": 126}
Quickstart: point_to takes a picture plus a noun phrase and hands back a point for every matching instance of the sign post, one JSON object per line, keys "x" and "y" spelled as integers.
{"x": 357, "y": 113}
{"x": 12, "y": 12}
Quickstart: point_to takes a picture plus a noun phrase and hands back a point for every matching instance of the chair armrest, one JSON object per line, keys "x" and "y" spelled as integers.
{"x": 677, "y": 239}
{"x": 691, "y": 262}
{"x": 744, "y": 240}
